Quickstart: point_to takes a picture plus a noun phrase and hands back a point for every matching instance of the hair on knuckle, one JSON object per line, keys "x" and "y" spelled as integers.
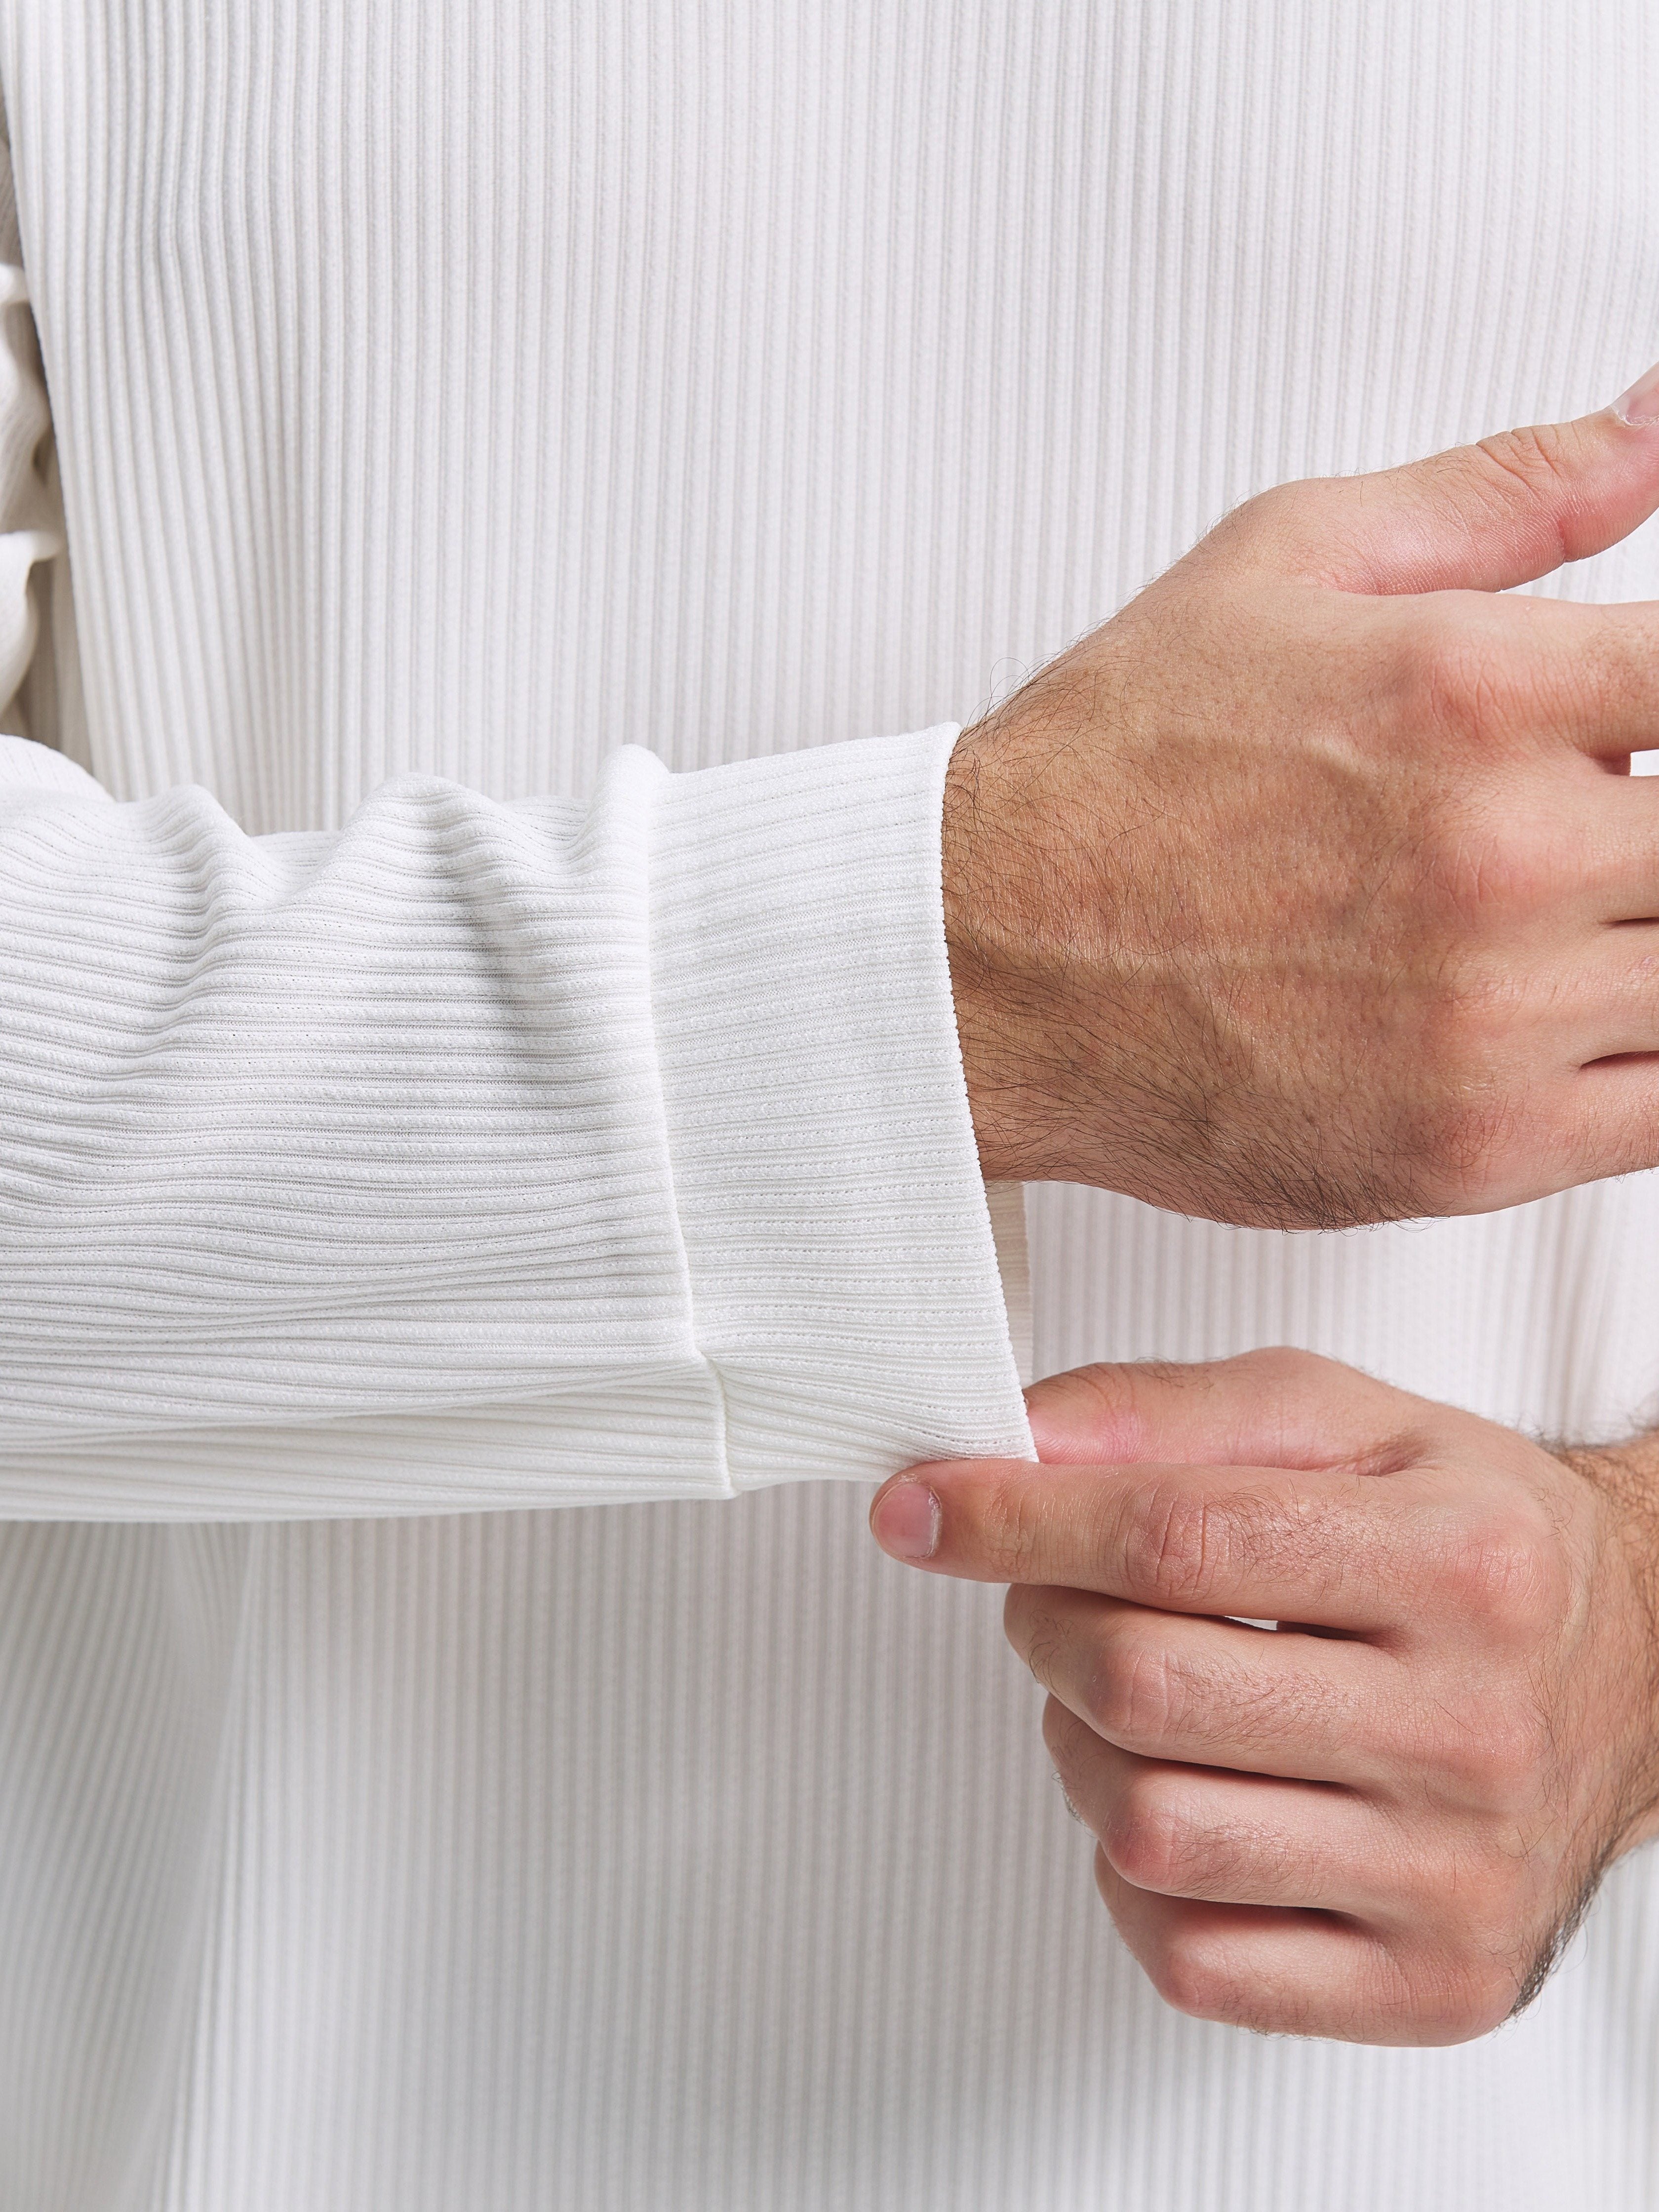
{"x": 1038, "y": 1637}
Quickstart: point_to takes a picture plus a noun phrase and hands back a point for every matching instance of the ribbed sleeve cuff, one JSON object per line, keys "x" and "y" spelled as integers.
{"x": 843, "y": 1273}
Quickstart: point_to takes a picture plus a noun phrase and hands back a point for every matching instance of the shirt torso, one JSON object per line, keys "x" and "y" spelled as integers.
{"x": 472, "y": 389}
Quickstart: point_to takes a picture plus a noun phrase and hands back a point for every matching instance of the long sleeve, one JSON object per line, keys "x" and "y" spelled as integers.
{"x": 486, "y": 1154}
{"x": 479, "y": 1154}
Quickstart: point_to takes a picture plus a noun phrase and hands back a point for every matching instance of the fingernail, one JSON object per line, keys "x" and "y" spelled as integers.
{"x": 1640, "y": 406}
{"x": 905, "y": 1521}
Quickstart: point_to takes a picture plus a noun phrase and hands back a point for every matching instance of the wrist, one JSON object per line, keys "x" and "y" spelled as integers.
{"x": 995, "y": 990}
{"x": 1625, "y": 1478}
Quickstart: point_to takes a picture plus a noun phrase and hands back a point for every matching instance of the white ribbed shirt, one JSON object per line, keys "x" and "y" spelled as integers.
{"x": 504, "y": 507}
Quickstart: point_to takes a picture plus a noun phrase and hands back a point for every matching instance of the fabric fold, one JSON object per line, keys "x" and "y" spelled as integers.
{"x": 485, "y": 1154}
{"x": 844, "y": 1276}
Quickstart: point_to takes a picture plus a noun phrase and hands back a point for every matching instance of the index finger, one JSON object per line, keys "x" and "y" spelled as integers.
{"x": 1584, "y": 678}
{"x": 1335, "y": 1548}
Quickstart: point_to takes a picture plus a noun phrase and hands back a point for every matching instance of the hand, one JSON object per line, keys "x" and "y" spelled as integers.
{"x": 1377, "y": 1823}
{"x": 1310, "y": 891}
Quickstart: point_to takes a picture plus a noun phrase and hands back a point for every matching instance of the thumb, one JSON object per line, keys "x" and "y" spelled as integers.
{"x": 1478, "y": 518}
{"x": 1277, "y": 1407}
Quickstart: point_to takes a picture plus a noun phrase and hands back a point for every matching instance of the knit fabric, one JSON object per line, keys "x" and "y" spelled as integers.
{"x": 477, "y": 483}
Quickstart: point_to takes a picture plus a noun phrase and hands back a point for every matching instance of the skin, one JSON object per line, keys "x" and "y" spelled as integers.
{"x": 1312, "y": 889}
{"x": 1380, "y": 1820}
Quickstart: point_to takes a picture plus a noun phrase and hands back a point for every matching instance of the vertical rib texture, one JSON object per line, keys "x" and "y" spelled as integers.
{"x": 445, "y": 398}
{"x": 484, "y": 1154}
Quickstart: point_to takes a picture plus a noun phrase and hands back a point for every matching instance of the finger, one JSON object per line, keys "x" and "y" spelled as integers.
{"x": 1337, "y": 1550}
{"x": 1551, "y": 854}
{"x": 1587, "y": 677}
{"x": 1594, "y": 670}
{"x": 1481, "y": 517}
{"x": 1613, "y": 1122}
{"x": 1215, "y": 1693}
{"x": 1602, "y": 859}
{"x": 1608, "y": 999}
{"x": 1276, "y": 1407}
{"x": 1288, "y": 1973}
{"x": 1596, "y": 1000}
{"x": 1232, "y": 1839}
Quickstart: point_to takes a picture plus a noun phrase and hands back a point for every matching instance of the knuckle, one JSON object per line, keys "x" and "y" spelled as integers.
{"x": 1058, "y": 1726}
{"x": 1111, "y": 1397}
{"x": 1148, "y": 1839}
{"x": 1169, "y": 1543}
{"x": 1183, "y": 1549}
{"x": 1475, "y": 690}
{"x": 1283, "y": 1365}
{"x": 1501, "y": 1571}
{"x": 1193, "y": 1974}
{"x": 1271, "y": 519}
{"x": 1457, "y": 2000}
{"x": 1460, "y": 676}
{"x": 1109, "y": 1391}
{"x": 1065, "y": 1737}
{"x": 1485, "y": 871}
{"x": 1482, "y": 866}
{"x": 1027, "y": 1622}
{"x": 1012, "y": 1522}
{"x": 1527, "y": 465}
{"x": 1134, "y": 1697}
{"x": 1494, "y": 1760}
{"x": 1036, "y": 1633}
